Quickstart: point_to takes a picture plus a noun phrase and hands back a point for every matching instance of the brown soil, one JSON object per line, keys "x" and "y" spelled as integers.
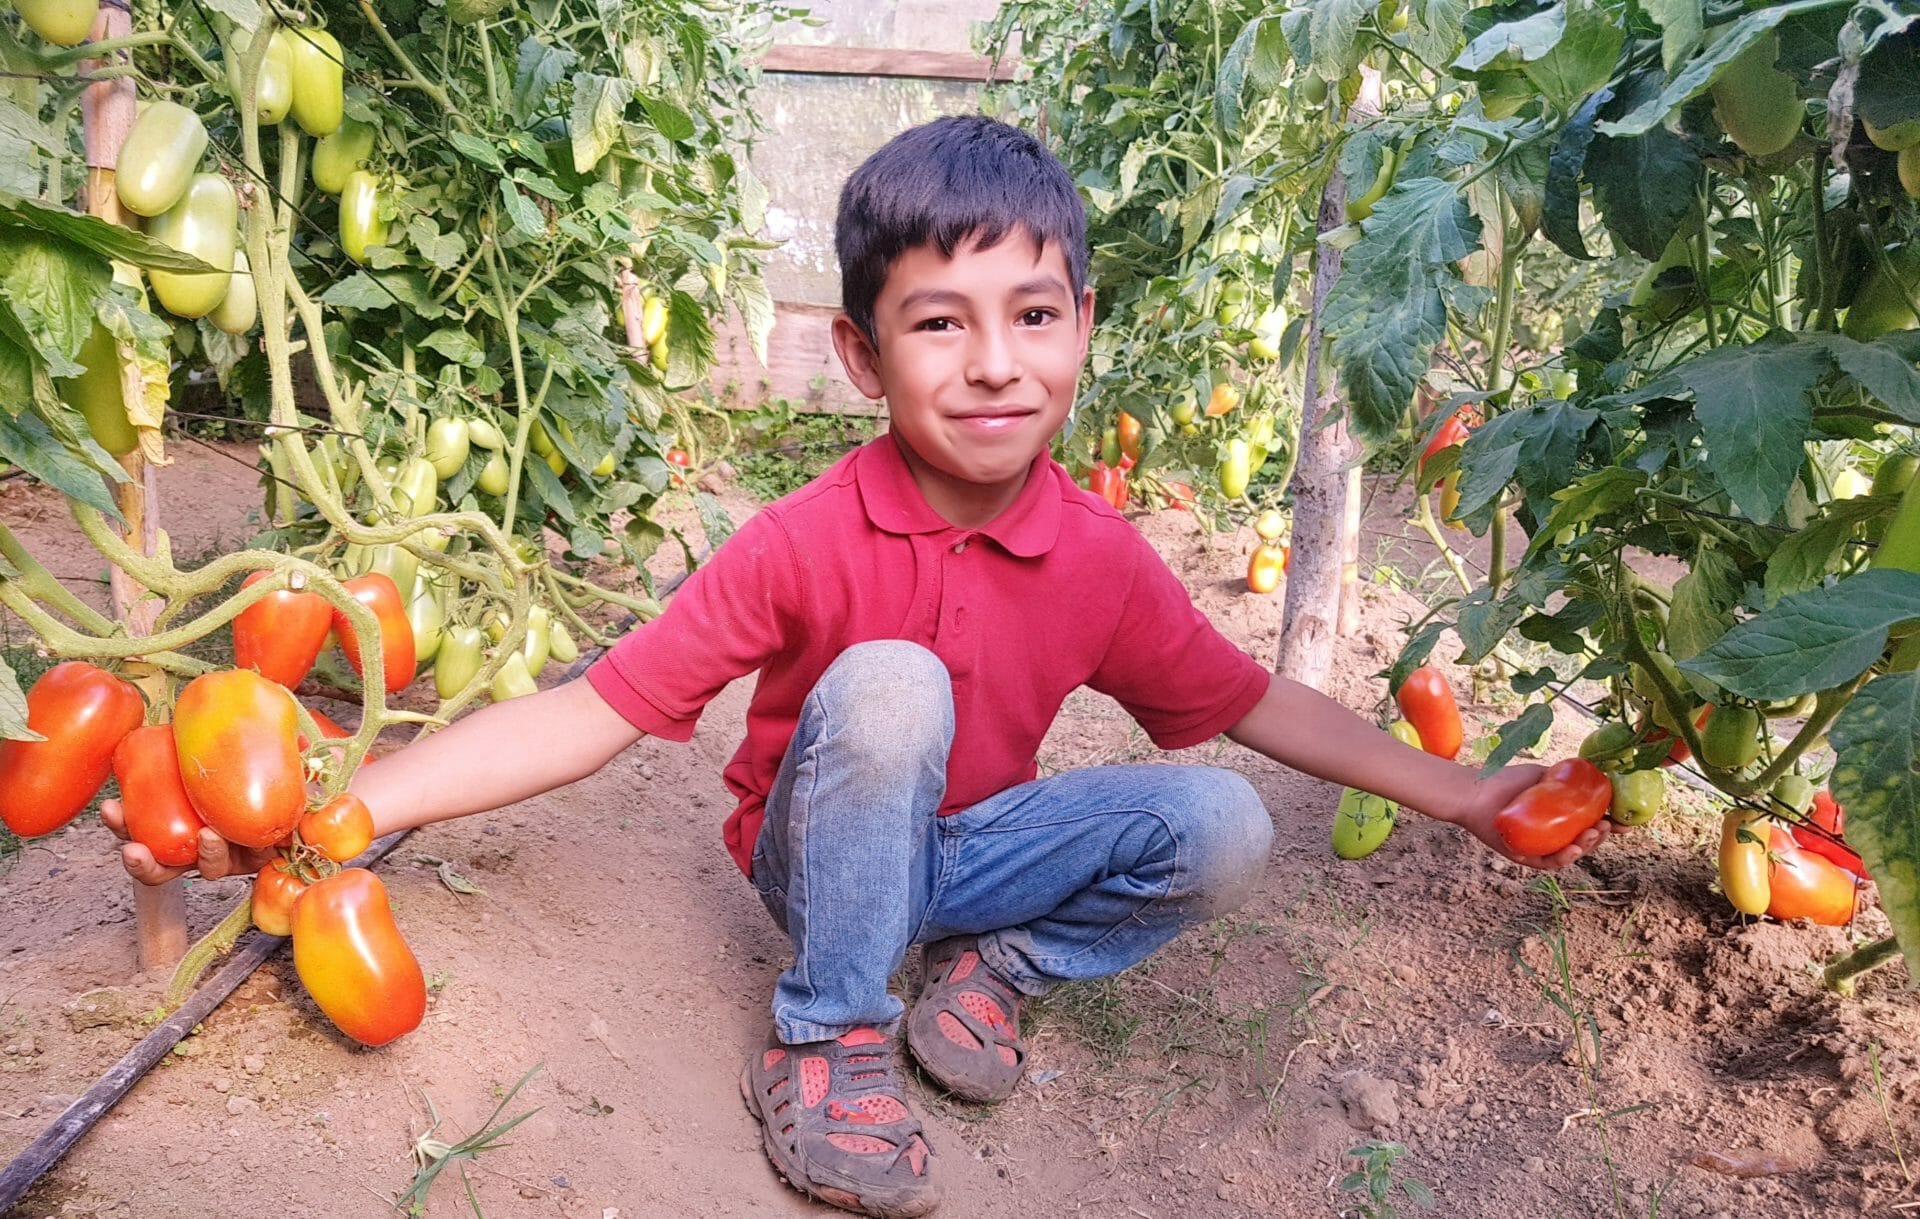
{"x": 1532, "y": 1064}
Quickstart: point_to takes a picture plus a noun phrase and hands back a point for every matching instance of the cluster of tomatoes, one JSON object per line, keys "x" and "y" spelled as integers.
{"x": 232, "y": 759}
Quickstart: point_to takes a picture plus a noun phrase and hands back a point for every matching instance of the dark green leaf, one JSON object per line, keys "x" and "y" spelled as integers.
{"x": 1334, "y": 27}
{"x": 1877, "y": 780}
{"x": 1484, "y": 623}
{"x": 53, "y": 288}
{"x": 1753, "y": 407}
{"x": 95, "y": 234}
{"x": 1597, "y": 494}
{"x": 1813, "y": 640}
{"x": 1543, "y": 438}
{"x": 713, "y": 519}
{"x": 526, "y": 217}
{"x": 1561, "y": 222}
{"x": 1521, "y": 733}
{"x": 357, "y": 291}
{"x": 1805, "y": 559}
{"x": 457, "y": 345}
{"x": 27, "y": 442}
{"x": 1387, "y": 310}
{"x": 1644, "y": 187}
{"x": 541, "y": 67}
{"x": 1881, "y": 368}
{"x": 668, "y": 119}
{"x": 443, "y": 250}
{"x": 1888, "y": 89}
{"x": 551, "y": 490}
{"x": 1414, "y": 654}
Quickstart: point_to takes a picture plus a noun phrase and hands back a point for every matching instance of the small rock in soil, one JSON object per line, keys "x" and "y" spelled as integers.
{"x": 1370, "y": 1103}
{"x": 222, "y": 1084}
{"x": 1534, "y": 1166}
{"x": 253, "y": 1064}
{"x": 102, "y": 1008}
{"x": 236, "y": 1105}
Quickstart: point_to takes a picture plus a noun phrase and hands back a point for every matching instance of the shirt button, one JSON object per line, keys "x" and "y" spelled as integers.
{"x": 959, "y": 548}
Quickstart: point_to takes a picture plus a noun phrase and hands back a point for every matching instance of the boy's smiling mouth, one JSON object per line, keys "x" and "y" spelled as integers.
{"x": 994, "y": 418}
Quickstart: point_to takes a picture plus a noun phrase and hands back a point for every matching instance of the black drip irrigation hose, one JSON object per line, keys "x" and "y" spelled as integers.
{"x": 252, "y": 950}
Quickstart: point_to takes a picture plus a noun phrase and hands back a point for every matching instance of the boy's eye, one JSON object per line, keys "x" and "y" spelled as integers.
{"x": 935, "y": 324}
{"x": 1036, "y": 317}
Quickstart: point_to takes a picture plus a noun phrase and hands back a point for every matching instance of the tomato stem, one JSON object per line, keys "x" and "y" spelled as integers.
{"x": 1840, "y": 973}
{"x": 215, "y": 943}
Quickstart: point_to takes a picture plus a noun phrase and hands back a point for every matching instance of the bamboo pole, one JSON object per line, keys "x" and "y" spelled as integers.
{"x": 107, "y": 107}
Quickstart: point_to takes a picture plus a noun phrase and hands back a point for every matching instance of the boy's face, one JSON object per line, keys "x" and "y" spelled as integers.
{"x": 979, "y": 357}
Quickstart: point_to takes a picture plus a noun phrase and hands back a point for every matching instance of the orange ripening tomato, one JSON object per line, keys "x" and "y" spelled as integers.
{"x": 275, "y": 891}
{"x": 350, "y": 956}
{"x": 1744, "y": 871}
{"x": 1426, "y": 700}
{"x": 83, "y": 712}
{"x": 1551, "y": 814}
{"x": 1129, "y": 430}
{"x": 380, "y": 594}
{"x": 1831, "y": 817}
{"x": 339, "y": 829}
{"x": 280, "y": 636}
{"x": 236, "y": 733}
{"x": 159, "y": 815}
{"x": 1222, "y": 400}
{"x": 1180, "y": 495}
{"x": 1452, "y": 432}
{"x": 1264, "y": 568}
{"x": 1805, "y": 885}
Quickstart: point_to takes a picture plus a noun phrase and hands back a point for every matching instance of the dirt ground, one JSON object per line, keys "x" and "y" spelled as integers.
{"x": 1611, "y": 1053}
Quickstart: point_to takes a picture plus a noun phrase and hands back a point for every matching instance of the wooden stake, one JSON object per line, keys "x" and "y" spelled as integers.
{"x": 1323, "y": 586}
{"x": 160, "y": 911}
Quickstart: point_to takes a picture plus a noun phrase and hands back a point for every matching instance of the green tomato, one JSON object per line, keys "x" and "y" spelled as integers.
{"x": 240, "y": 307}
{"x": 202, "y": 224}
{"x": 319, "y": 96}
{"x": 513, "y": 680}
{"x": 448, "y": 442}
{"x": 493, "y": 475}
{"x": 1731, "y": 738}
{"x": 337, "y": 155}
{"x": 1608, "y": 745}
{"x": 427, "y": 616}
{"x": 1793, "y": 794}
{"x": 158, "y": 158}
{"x": 483, "y": 433}
{"x": 1637, "y": 797}
{"x": 1362, "y": 823}
{"x": 361, "y": 225}
{"x": 560, "y": 644}
{"x": 64, "y": 23}
{"x": 1236, "y": 469}
{"x": 458, "y": 659}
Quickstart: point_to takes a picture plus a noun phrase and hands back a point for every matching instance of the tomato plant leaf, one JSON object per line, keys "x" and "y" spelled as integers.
{"x": 1387, "y": 311}
{"x": 1518, "y": 735}
{"x": 1813, "y": 640}
{"x": 16, "y": 374}
{"x": 1754, "y": 411}
{"x": 27, "y": 441}
{"x": 1888, "y": 88}
{"x": 53, "y": 289}
{"x": 1333, "y": 28}
{"x": 1415, "y": 653}
{"x": 1561, "y": 218}
{"x": 1698, "y": 76}
{"x": 1877, "y": 780}
{"x": 541, "y": 67}
{"x": 668, "y": 119}
{"x": 93, "y": 233}
{"x": 598, "y": 103}
{"x": 714, "y": 520}
{"x": 243, "y": 13}
{"x": 357, "y": 291}
{"x": 1681, "y": 24}
{"x": 1433, "y": 27}
{"x": 477, "y": 150}
{"x": 1509, "y": 44}
{"x": 1482, "y": 622}
{"x": 443, "y": 250}
{"x": 1643, "y": 187}
{"x": 1804, "y": 560}
{"x": 1597, "y": 494}
{"x": 1535, "y": 445}
{"x": 1881, "y": 367}
{"x": 1703, "y": 602}
{"x": 756, "y": 313}
{"x": 521, "y": 210}
{"x": 1583, "y": 57}
{"x": 457, "y": 345}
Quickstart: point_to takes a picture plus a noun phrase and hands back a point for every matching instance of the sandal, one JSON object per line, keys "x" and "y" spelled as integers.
{"x": 965, "y": 1026}
{"x": 836, "y": 1125}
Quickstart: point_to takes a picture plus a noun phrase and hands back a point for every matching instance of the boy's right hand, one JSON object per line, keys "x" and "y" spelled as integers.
{"x": 218, "y": 857}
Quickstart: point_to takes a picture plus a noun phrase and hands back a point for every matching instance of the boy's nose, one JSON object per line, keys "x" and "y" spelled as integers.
{"x": 991, "y": 359}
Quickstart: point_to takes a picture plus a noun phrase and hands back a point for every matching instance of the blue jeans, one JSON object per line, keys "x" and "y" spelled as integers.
{"x": 1075, "y": 876}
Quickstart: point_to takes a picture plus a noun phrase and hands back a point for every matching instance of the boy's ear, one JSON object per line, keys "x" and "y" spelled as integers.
{"x": 1086, "y": 319}
{"x": 857, "y": 356}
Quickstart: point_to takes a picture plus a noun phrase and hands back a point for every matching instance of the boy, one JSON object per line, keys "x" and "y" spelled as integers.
{"x": 916, "y": 616}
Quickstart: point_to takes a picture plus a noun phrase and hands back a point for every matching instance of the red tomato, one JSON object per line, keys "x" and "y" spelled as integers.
{"x": 351, "y": 958}
{"x": 1452, "y": 432}
{"x": 1109, "y": 483}
{"x": 1831, "y": 817}
{"x": 1180, "y": 495}
{"x": 1805, "y": 885}
{"x": 1128, "y": 429}
{"x": 380, "y": 594}
{"x": 1548, "y": 816}
{"x": 236, "y": 736}
{"x": 275, "y": 891}
{"x": 683, "y": 459}
{"x": 281, "y": 635}
{"x": 1264, "y": 568}
{"x": 83, "y": 712}
{"x": 1426, "y": 700}
{"x": 339, "y": 829}
{"x": 160, "y": 817}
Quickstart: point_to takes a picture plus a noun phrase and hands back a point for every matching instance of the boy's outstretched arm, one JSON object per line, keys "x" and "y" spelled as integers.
{"x": 494, "y": 757}
{"x": 1304, "y": 729}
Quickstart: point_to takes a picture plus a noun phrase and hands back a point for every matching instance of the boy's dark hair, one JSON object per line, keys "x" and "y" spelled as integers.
{"x": 965, "y": 176}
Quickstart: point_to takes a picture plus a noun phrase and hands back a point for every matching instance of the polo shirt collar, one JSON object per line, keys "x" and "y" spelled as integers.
{"x": 894, "y": 504}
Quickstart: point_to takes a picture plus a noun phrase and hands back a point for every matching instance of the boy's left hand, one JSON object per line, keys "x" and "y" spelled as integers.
{"x": 1493, "y": 793}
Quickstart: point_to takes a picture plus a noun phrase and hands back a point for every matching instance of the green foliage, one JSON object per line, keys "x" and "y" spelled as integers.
{"x": 1375, "y": 1181}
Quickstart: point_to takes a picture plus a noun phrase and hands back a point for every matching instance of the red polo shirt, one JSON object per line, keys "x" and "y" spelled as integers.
{"x": 1057, "y": 592}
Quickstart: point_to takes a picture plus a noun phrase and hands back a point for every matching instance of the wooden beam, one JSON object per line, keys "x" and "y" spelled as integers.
{"x": 876, "y": 61}
{"x": 804, "y": 366}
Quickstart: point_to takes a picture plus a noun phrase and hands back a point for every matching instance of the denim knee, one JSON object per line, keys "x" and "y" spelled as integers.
{"x": 890, "y": 697}
{"x": 1224, "y": 834}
